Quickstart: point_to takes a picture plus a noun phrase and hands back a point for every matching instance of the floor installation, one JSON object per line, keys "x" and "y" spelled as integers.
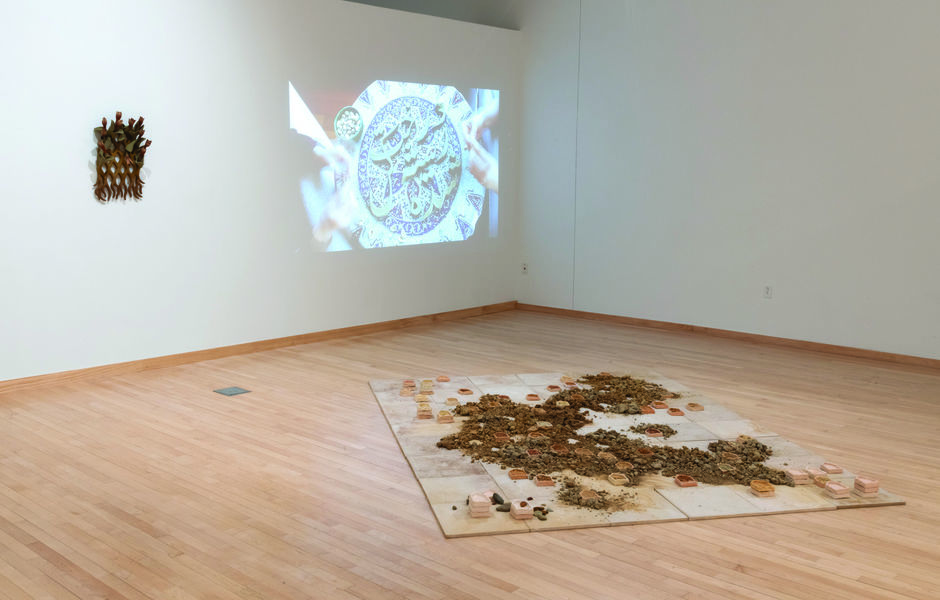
{"x": 152, "y": 486}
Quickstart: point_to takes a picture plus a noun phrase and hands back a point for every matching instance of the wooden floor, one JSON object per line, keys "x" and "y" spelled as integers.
{"x": 151, "y": 486}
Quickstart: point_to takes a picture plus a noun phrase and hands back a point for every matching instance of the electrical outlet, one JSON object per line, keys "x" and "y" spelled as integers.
{"x": 525, "y": 268}
{"x": 768, "y": 292}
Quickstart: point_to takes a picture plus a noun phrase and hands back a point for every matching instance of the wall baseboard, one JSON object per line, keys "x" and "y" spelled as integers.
{"x": 902, "y": 359}
{"x": 172, "y": 360}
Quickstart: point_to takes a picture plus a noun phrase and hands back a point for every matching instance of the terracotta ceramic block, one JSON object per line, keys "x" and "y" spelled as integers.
{"x": 653, "y": 432}
{"x": 571, "y": 384}
{"x": 604, "y": 374}
{"x": 532, "y": 452}
{"x": 406, "y": 392}
{"x": 762, "y": 488}
{"x": 659, "y": 405}
{"x": 578, "y": 397}
{"x": 618, "y": 479}
{"x": 836, "y": 490}
{"x": 422, "y": 398}
{"x": 866, "y": 485}
{"x": 538, "y": 410}
{"x": 533, "y": 397}
{"x": 452, "y": 402}
{"x": 647, "y": 410}
{"x": 813, "y": 472}
{"x": 798, "y": 476}
{"x": 553, "y": 388}
{"x": 501, "y": 436}
{"x": 624, "y": 465}
{"x": 675, "y": 412}
{"x": 445, "y": 417}
{"x": 645, "y": 452}
{"x": 685, "y": 481}
{"x": 560, "y": 449}
{"x": 820, "y": 481}
{"x": 831, "y": 468}
{"x": 408, "y": 383}
{"x": 694, "y": 406}
{"x": 537, "y": 436}
{"x": 465, "y": 391}
{"x": 589, "y": 495}
{"x": 543, "y": 480}
{"x": 517, "y": 474}
{"x": 670, "y": 395}
{"x": 583, "y": 452}
{"x": 443, "y": 378}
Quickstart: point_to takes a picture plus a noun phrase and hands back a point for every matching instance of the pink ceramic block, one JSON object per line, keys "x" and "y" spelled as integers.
{"x": 659, "y": 405}
{"x": 542, "y": 480}
{"x": 815, "y": 472}
{"x": 653, "y": 432}
{"x": 685, "y": 481}
{"x": 694, "y": 406}
{"x": 836, "y": 490}
{"x": 866, "y": 484}
{"x": 675, "y": 412}
{"x": 520, "y": 509}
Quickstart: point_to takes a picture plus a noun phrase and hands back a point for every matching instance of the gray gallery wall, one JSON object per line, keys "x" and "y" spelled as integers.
{"x": 726, "y": 146}
{"x": 218, "y": 252}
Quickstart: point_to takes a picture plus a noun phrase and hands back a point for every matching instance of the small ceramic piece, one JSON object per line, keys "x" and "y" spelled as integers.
{"x": 814, "y": 472}
{"x": 624, "y": 465}
{"x": 533, "y": 452}
{"x": 730, "y": 457}
{"x": 504, "y": 397}
{"x": 659, "y": 405}
{"x": 762, "y": 488}
{"x": 479, "y": 506}
{"x": 561, "y": 449}
{"x": 820, "y": 481}
{"x": 645, "y": 452}
{"x": 422, "y": 398}
{"x": 501, "y": 437}
{"x": 618, "y": 479}
{"x": 517, "y": 474}
{"x": 571, "y": 384}
{"x": 408, "y": 383}
{"x": 521, "y": 510}
{"x": 537, "y": 436}
{"x": 834, "y": 489}
{"x": 561, "y": 403}
{"x": 543, "y": 480}
{"x": 866, "y": 487}
{"x": 670, "y": 395}
{"x": 685, "y": 481}
{"x": 577, "y": 396}
{"x": 427, "y": 387}
{"x": 647, "y": 410}
{"x": 443, "y": 378}
{"x": 589, "y": 495}
{"x": 694, "y": 406}
{"x": 583, "y": 452}
{"x": 553, "y": 388}
{"x": 445, "y": 416}
{"x": 567, "y": 379}
{"x": 452, "y": 402}
{"x": 675, "y": 412}
{"x": 424, "y": 411}
{"x": 653, "y": 432}
{"x": 798, "y": 476}
{"x": 533, "y": 397}
{"x": 465, "y": 391}
{"x": 607, "y": 456}
{"x": 831, "y": 468}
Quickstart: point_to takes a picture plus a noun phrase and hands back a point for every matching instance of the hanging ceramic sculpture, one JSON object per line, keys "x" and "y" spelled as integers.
{"x": 121, "y": 150}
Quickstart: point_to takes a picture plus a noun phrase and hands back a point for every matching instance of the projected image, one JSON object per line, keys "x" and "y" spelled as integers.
{"x": 403, "y": 163}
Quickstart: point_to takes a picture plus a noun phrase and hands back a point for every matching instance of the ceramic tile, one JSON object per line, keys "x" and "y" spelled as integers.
{"x": 709, "y": 501}
{"x": 729, "y": 430}
{"x": 459, "y": 523}
{"x": 448, "y": 463}
{"x": 787, "y": 499}
{"x": 455, "y": 489}
{"x": 497, "y": 380}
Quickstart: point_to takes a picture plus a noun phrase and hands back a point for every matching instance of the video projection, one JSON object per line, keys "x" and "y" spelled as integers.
{"x": 399, "y": 164}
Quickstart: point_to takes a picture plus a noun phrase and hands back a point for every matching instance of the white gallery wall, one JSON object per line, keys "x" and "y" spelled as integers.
{"x": 218, "y": 252}
{"x": 727, "y": 146}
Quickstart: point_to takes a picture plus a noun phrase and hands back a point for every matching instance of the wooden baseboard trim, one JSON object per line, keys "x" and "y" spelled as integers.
{"x": 902, "y": 359}
{"x": 172, "y": 360}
